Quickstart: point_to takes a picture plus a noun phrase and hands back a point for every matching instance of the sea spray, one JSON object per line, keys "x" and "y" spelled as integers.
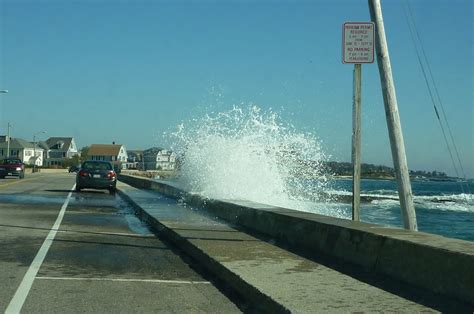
{"x": 248, "y": 153}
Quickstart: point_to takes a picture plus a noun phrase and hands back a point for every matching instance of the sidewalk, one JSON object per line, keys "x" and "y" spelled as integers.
{"x": 273, "y": 279}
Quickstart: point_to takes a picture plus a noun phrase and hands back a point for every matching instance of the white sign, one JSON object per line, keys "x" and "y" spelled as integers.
{"x": 358, "y": 42}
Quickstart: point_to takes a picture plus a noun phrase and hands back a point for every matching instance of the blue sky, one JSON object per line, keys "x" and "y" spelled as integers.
{"x": 126, "y": 71}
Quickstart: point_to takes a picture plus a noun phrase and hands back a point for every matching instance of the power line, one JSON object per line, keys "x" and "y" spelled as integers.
{"x": 436, "y": 89}
{"x": 419, "y": 46}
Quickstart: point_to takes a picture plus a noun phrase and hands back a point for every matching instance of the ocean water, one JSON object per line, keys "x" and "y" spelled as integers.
{"x": 247, "y": 153}
{"x": 442, "y": 207}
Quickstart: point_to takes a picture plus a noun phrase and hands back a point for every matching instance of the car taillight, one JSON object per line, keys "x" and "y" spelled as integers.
{"x": 83, "y": 173}
{"x": 111, "y": 174}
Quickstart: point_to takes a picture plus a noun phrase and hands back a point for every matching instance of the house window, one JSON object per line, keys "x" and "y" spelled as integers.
{"x": 28, "y": 153}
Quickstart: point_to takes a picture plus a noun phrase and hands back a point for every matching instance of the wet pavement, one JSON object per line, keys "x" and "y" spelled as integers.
{"x": 102, "y": 259}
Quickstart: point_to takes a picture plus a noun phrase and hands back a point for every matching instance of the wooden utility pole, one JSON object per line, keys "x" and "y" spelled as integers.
{"x": 393, "y": 119}
{"x": 356, "y": 140}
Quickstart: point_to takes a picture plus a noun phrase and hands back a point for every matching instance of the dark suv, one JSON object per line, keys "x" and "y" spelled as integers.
{"x": 12, "y": 167}
{"x": 96, "y": 175}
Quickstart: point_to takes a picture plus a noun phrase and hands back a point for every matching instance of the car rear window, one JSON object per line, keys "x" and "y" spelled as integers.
{"x": 96, "y": 166}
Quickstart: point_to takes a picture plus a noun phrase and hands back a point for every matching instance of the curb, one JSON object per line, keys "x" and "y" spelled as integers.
{"x": 258, "y": 300}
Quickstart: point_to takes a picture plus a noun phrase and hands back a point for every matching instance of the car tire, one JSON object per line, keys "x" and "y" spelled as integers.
{"x": 78, "y": 189}
{"x": 112, "y": 191}
{"x": 21, "y": 176}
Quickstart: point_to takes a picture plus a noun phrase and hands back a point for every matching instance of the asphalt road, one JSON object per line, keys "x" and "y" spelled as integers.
{"x": 99, "y": 259}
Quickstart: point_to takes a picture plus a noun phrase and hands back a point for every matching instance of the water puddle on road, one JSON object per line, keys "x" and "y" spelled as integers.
{"x": 94, "y": 199}
{"x": 84, "y": 199}
{"x": 90, "y": 198}
{"x": 97, "y": 200}
{"x": 135, "y": 224}
{"x": 31, "y": 199}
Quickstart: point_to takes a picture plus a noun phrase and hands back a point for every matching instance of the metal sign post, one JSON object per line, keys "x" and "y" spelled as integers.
{"x": 356, "y": 140}
{"x": 358, "y": 48}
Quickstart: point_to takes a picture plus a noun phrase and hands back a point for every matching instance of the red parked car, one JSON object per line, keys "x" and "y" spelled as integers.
{"x": 12, "y": 167}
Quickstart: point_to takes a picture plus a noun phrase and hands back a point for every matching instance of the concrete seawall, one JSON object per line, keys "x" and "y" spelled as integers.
{"x": 437, "y": 264}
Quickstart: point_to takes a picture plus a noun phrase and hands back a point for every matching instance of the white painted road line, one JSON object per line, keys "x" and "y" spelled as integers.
{"x": 22, "y": 292}
{"x": 126, "y": 280}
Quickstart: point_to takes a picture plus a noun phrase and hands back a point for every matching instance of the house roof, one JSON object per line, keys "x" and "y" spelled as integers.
{"x": 19, "y": 143}
{"x": 59, "y": 143}
{"x": 43, "y": 145}
{"x": 135, "y": 151}
{"x": 152, "y": 151}
{"x": 104, "y": 150}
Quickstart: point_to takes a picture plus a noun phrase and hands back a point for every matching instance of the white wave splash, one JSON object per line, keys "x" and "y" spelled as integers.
{"x": 250, "y": 154}
{"x": 452, "y": 202}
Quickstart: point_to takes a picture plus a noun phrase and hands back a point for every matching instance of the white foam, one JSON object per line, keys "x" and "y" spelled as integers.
{"x": 451, "y": 202}
{"x": 455, "y": 202}
{"x": 250, "y": 154}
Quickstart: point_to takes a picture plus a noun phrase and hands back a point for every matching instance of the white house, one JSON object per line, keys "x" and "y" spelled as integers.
{"x": 159, "y": 159}
{"x": 24, "y": 150}
{"x": 59, "y": 149}
{"x": 135, "y": 159}
{"x": 115, "y": 153}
